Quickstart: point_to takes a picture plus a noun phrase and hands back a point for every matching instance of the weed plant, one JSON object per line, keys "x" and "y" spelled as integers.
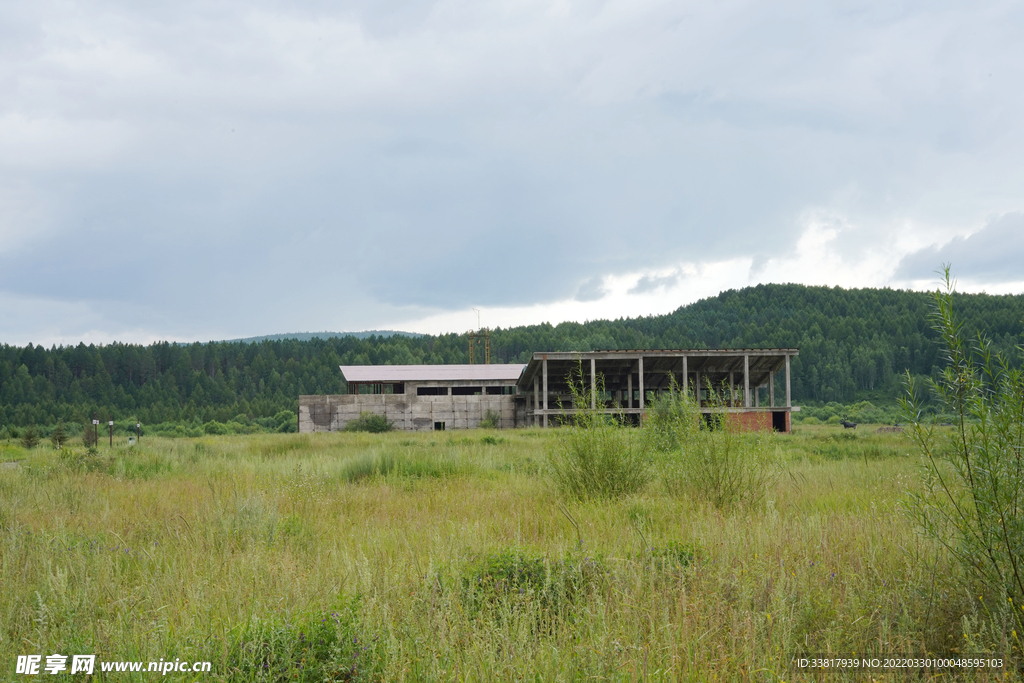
{"x": 369, "y": 422}
{"x": 706, "y": 456}
{"x": 972, "y": 500}
{"x": 593, "y": 455}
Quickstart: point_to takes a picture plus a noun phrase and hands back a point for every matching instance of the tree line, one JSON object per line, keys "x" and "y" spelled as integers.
{"x": 855, "y": 344}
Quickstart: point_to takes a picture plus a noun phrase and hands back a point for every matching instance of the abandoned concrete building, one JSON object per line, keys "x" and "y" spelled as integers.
{"x": 738, "y": 382}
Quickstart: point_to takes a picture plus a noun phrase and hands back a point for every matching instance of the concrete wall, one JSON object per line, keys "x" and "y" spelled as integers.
{"x": 408, "y": 411}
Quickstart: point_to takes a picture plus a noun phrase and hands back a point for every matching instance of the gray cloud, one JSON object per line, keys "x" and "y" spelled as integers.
{"x": 993, "y": 254}
{"x": 591, "y": 290}
{"x": 649, "y": 283}
{"x": 256, "y": 167}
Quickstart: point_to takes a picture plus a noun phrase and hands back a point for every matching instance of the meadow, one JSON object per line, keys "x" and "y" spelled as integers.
{"x": 452, "y": 557}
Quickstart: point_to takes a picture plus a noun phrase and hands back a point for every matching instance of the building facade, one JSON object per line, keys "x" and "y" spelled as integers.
{"x": 751, "y": 386}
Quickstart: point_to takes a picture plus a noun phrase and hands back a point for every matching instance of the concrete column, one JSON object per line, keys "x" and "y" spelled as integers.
{"x": 536, "y": 400}
{"x": 629, "y": 390}
{"x": 771, "y": 390}
{"x": 641, "y": 366}
{"x": 696, "y": 387}
{"x": 789, "y": 396}
{"x": 593, "y": 384}
{"x": 746, "y": 381}
{"x": 757, "y": 397}
{"x": 686, "y": 377}
{"x": 544, "y": 366}
{"x": 732, "y": 388}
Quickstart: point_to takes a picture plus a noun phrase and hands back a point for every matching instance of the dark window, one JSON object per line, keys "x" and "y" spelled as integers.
{"x": 500, "y": 391}
{"x": 439, "y": 426}
{"x": 431, "y": 391}
{"x": 467, "y": 391}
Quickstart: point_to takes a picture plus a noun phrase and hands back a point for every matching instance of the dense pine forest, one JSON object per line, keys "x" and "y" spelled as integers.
{"x": 855, "y": 345}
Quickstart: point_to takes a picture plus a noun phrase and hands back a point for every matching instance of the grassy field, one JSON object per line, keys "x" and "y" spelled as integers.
{"x": 449, "y": 556}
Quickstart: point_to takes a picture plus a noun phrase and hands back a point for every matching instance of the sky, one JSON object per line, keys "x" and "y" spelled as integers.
{"x": 221, "y": 169}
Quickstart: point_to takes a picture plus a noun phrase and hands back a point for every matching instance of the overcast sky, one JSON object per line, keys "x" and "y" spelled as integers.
{"x": 209, "y": 170}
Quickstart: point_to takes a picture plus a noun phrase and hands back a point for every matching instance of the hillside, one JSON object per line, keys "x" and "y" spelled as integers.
{"x": 854, "y": 344}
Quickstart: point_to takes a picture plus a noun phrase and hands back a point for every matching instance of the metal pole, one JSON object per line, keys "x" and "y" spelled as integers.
{"x": 110, "y": 425}
{"x": 138, "y": 432}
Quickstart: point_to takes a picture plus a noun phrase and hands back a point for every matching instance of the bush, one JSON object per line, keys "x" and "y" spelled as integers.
{"x": 29, "y": 437}
{"x": 492, "y": 420}
{"x": 59, "y": 436}
{"x": 973, "y": 497}
{"x": 594, "y": 456}
{"x": 711, "y": 458}
{"x": 367, "y": 422}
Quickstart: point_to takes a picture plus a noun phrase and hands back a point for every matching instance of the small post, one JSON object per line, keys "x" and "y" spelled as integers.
{"x": 138, "y": 432}
{"x": 95, "y": 429}
{"x": 110, "y": 426}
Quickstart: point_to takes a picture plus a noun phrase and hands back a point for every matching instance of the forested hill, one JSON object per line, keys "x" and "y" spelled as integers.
{"x": 853, "y": 344}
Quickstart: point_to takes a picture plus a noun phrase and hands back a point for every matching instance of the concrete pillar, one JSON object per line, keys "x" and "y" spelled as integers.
{"x": 746, "y": 381}
{"x": 593, "y": 384}
{"x": 771, "y": 390}
{"x": 732, "y": 388}
{"x": 641, "y": 366}
{"x": 696, "y": 387}
{"x": 544, "y": 366}
{"x": 789, "y": 396}
{"x": 536, "y": 400}
{"x": 686, "y": 377}
{"x": 629, "y": 390}
{"x": 757, "y": 396}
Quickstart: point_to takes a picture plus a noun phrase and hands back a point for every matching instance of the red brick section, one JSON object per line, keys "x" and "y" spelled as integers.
{"x": 755, "y": 421}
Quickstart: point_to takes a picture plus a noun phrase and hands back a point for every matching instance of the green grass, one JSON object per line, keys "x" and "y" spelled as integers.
{"x": 401, "y": 557}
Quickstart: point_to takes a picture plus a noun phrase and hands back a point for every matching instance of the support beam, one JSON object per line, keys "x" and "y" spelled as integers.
{"x": 789, "y": 395}
{"x": 593, "y": 384}
{"x": 536, "y": 400}
{"x": 686, "y": 377}
{"x": 629, "y": 390}
{"x": 771, "y": 389}
{"x": 544, "y": 370}
{"x": 640, "y": 364}
{"x": 746, "y": 381}
{"x": 732, "y": 389}
{"x": 696, "y": 387}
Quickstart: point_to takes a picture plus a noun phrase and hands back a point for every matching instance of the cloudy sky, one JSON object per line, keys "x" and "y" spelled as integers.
{"x": 208, "y": 170}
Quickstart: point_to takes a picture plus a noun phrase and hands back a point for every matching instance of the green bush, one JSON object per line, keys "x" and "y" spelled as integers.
{"x": 973, "y": 497}
{"x": 708, "y": 457}
{"x": 368, "y": 422}
{"x": 594, "y": 456}
{"x": 29, "y": 437}
{"x": 492, "y": 420}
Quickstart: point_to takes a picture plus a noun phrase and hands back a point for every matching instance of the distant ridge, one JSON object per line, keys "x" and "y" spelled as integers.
{"x": 306, "y": 336}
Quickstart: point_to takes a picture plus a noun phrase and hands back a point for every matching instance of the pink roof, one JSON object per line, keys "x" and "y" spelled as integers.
{"x": 387, "y": 374}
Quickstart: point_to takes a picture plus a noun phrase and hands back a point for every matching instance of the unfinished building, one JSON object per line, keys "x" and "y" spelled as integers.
{"x": 418, "y": 397}
{"x": 739, "y": 382}
{"x": 751, "y": 386}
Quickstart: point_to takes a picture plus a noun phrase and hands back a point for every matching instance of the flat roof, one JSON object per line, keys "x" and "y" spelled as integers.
{"x": 390, "y": 374}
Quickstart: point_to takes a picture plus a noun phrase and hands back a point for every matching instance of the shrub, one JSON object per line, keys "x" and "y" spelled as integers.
{"x": 973, "y": 497}
{"x": 709, "y": 457}
{"x": 29, "y": 437}
{"x": 491, "y": 420}
{"x": 368, "y": 422}
{"x": 59, "y": 436}
{"x": 594, "y": 456}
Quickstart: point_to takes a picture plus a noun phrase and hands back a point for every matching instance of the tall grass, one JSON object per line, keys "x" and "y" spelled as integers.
{"x": 247, "y": 551}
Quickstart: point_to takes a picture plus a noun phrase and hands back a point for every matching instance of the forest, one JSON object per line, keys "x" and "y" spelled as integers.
{"x": 855, "y": 345}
